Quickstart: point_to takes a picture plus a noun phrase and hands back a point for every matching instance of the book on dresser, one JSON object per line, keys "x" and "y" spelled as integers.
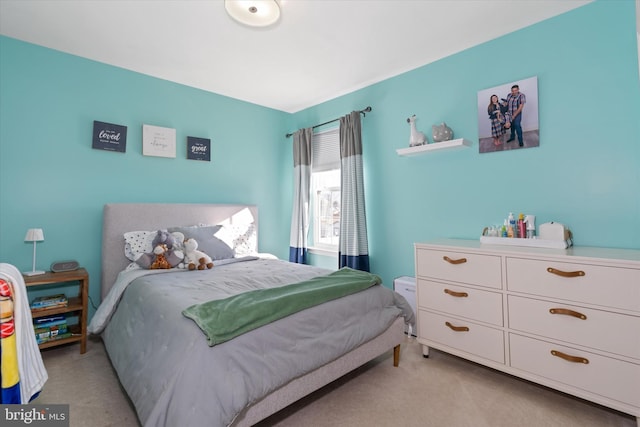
{"x": 49, "y": 301}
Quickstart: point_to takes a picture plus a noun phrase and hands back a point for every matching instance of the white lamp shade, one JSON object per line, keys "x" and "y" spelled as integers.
{"x": 34, "y": 235}
{"x": 255, "y": 13}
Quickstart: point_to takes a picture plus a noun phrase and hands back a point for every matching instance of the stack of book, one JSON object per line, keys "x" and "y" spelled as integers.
{"x": 50, "y": 301}
{"x": 51, "y": 328}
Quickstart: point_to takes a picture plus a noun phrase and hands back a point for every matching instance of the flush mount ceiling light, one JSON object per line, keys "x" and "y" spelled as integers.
{"x": 255, "y": 13}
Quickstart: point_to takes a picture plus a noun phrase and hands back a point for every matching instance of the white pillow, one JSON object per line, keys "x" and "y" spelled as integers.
{"x": 241, "y": 238}
{"x": 207, "y": 241}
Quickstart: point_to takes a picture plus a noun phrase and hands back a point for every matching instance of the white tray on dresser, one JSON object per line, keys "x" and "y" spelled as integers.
{"x": 565, "y": 318}
{"x": 531, "y": 243}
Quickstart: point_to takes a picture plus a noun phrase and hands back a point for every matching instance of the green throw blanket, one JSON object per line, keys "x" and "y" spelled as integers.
{"x": 222, "y": 320}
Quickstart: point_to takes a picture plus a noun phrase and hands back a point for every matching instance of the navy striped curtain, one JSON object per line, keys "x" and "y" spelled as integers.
{"x": 302, "y": 188}
{"x": 353, "y": 247}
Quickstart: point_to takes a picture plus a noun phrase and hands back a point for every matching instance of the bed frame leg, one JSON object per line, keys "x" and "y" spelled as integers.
{"x": 396, "y": 355}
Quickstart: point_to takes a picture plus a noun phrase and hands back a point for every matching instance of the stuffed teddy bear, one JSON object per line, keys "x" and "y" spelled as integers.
{"x": 167, "y": 245}
{"x": 195, "y": 259}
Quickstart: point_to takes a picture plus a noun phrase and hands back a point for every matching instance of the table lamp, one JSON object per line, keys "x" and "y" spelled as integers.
{"x": 34, "y": 235}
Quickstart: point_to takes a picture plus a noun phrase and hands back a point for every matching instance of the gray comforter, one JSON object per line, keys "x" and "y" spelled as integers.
{"x": 174, "y": 378}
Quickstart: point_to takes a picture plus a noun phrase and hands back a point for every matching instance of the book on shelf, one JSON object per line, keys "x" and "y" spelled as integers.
{"x": 54, "y": 328}
{"x": 49, "y": 301}
{"x": 62, "y": 321}
{"x": 54, "y": 338}
{"x": 47, "y": 319}
{"x": 44, "y": 334}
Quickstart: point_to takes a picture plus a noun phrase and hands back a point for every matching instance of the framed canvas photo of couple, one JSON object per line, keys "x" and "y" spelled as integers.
{"x": 508, "y": 116}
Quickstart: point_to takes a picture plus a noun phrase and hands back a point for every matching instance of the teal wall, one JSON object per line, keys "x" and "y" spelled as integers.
{"x": 585, "y": 173}
{"x": 50, "y": 177}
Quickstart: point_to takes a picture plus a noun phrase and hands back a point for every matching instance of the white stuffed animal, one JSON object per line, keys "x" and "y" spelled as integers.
{"x": 195, "y": 259}
{"x": 417, "y": 137}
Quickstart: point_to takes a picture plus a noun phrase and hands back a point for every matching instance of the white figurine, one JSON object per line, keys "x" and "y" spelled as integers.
{"x": 417, "y": 137}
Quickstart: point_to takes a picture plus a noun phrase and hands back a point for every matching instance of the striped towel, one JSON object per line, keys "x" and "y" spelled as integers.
{"x": 22, "y": 373}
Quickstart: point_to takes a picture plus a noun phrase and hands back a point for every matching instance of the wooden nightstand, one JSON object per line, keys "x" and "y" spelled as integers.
{"x": 76, "y": 305}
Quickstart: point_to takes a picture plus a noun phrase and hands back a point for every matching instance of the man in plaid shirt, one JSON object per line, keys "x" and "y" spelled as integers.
{"x": 515, "y": 102}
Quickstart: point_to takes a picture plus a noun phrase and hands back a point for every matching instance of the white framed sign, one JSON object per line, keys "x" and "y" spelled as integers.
{"x": 158, "y": 141}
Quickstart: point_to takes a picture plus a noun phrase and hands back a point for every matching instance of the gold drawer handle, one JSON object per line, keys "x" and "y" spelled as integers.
{"x": 456, "y": 294}
{"x": 567, "y": 312}
{"x": 457, "y": 328}
{"x": 578, "y": 273}
{"x": 454, "y": 261}
{"x": 568, "y": 358}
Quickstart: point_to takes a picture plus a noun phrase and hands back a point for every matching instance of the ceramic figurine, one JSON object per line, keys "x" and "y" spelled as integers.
{"x": 417, "y": 137}
{"x": 442, "y": 133}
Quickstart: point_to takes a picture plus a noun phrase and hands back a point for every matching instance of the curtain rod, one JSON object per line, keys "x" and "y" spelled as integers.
{"x": 363, "y": 112}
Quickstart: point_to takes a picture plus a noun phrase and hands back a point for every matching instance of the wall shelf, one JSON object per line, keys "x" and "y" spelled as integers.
{"x": 454, "y": 144}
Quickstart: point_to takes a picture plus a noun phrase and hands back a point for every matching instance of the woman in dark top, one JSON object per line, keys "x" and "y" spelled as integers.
{"x": 499, "y": 119}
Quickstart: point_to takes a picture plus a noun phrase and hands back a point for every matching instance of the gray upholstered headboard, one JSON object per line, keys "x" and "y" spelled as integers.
{"x": 120, "y": 218}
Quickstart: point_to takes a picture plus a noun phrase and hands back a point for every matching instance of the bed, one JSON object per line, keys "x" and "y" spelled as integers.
{"x": 174, "y": 375}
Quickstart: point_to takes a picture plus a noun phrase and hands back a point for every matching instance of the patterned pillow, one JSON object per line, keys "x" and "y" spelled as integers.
{"x": 137, "y": 243}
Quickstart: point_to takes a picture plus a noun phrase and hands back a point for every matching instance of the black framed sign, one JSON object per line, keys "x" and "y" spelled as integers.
{"x": 198, "y": 149}
{"x": 109, "y": 137}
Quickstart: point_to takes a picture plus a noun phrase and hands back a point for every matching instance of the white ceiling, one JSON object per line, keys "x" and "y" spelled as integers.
{"x": 319, "y": 50}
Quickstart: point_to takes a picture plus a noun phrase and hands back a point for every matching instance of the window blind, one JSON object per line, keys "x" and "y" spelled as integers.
{"x": 325, "y": 147}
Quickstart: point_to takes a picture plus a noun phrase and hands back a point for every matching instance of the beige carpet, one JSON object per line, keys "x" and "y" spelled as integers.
{"x": 441, "y": 391}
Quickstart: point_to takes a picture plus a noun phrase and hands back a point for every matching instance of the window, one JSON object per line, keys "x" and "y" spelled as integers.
{"x": 325, "y": 190}
{"x": 326, "y": 212}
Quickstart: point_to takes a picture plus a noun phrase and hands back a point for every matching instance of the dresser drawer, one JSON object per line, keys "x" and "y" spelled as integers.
{"x": 474, "y": 304}
{"x": 481, "y": 270}
{"x": 603, "y": 330}
{"x": 479, "y": 340}
{"x": 604, "y": 376}
{"x": 600, "y": 285}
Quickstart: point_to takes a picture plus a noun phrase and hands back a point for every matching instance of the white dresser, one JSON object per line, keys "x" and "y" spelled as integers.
{"x": 567, "y": 319}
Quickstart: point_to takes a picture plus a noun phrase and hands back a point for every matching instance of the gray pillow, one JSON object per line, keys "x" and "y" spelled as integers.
{"x": 207, "y": 242}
